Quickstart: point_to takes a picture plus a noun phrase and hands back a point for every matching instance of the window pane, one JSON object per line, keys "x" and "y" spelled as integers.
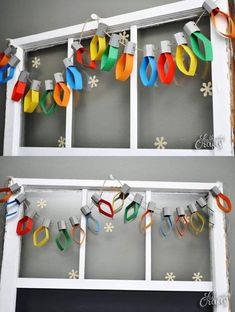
{"x": 48, "y": 261}
{"x": 102, "y": 110}
{"x": 115, "y": 253}
{"x": 183, "y": 257}
{"x": 40, "y": 130}
{"x": 179, "y": 112}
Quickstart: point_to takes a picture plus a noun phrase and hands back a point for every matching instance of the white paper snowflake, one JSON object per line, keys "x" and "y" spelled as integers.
{"x": 36, "y": 62}
{"x": 73, "y": 274}
{"x": 170, "y": 276}
{"x": 93, "y": 81}
{"x": 108, "y": 227}
{"x": 206, "y": 88}
{"x": 61, "y": 142}
{"x": 197, "y": 277}
{"x": 160, "y": 143}
{"x": 123, "y": 37}
{"x": 41, "y": 203}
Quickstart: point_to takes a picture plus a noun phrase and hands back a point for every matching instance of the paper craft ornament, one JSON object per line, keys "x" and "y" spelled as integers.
{"x": 8, "y": 192}
{"x": 216, "y": 15}
{"x": 166, "y": 75}
{"x": 44, "y": 228}
{"x": 80, "y": 51}
{"x": 25, "y": 225}
{"x": 222, "y": 199}
{"x": 7, "y": 72}
{"x": 110, "y": 56}
{"x": 98, "y": 42}
{"x": 6, "y": 55}
{"x": 31, "y": 99}
{"x": 101, "y": 203}
{"x": 166, "y": 224}
{"x": 125, "y": 63}
{"x": 197, "y": 221}
{"x": 181, "y": 223}
{"x": 73, "y": 75}
{"x": 48, "y": 96}
{"x": 63, "y": 239}
{"x": 120, "y": 196}
{"x": 20, "y": 86}
{"x": 182, "y": 49}
{"x": 92, "y": 224}
{"x": 61, "y": 92}
{"x": 195, "y": 35}
{"x": 149, "y": 211}
{"x": 77, "y": 227}
{"x": 148, "y": 61}
{"x": 131, "y": 211}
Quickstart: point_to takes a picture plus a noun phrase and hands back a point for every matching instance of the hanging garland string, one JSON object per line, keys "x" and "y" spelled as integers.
{"x": 108, "y": 55}
{"x": 64, "y": 240}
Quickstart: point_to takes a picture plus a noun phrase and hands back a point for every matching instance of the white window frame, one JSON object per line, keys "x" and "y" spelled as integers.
{"x": 10, "y": 280}
{"x": 221, "y": 76}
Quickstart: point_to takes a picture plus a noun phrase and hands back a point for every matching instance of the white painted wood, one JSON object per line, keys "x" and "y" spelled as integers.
{"x": 113, "y": 284}
{"x": 10, "y": 265}
{"x": 134, "y": 94}
{"x": 219, "y": 266}
{"x": 222, "y": 88}
{"x": 82, "y": 252}
{"x": 148, "y": 242}
{"x": 44, "y": 151}
{"x": 69, "y": 109}
{"x": 173, "y": 187}
{"x": 143, "y": 18}
{"x": 13, "y": 114}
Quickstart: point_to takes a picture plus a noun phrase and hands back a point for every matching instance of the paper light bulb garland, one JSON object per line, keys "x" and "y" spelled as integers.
{"x": 120, "y": 196}
{"x": 166, "y": 76}
{"x": 25, "y": 225}
{"x": 6, "y": 55}
{"x": 166, "y": 223}
{"x": 31, "y": 99}
{"x": 63, "y": 239}
{"x": 181, "y": 223}
{"x": 7, "y": 71}
{"x": 48, "y": 96}
{"x": 195, "y": 36}
{"x": 110, "y": 55}
{"x": 149, "y": 211}
{"x": 98, "y": 43}
{"x": 222, "y": 200}
{"x": 197, "y": 221}
{"x": 132, "y": 210}
{"x": 20, "y": 86}
{"x": 148, "y": 61}
{"x": 181, "y": 49}
{"x": 61, "y": 91}
{"x": 92, "y": 224}
{"x": 101, "y": 204}
{"x": 215, "y": 13}
{"x": 125, "y": 63}
{"x": 8, "y": 192}
{"x": 73, "y": 75}
{"x": 76, "y": 227}
{"x": 44, "y": 228}
{"x": 80, "y": 51}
